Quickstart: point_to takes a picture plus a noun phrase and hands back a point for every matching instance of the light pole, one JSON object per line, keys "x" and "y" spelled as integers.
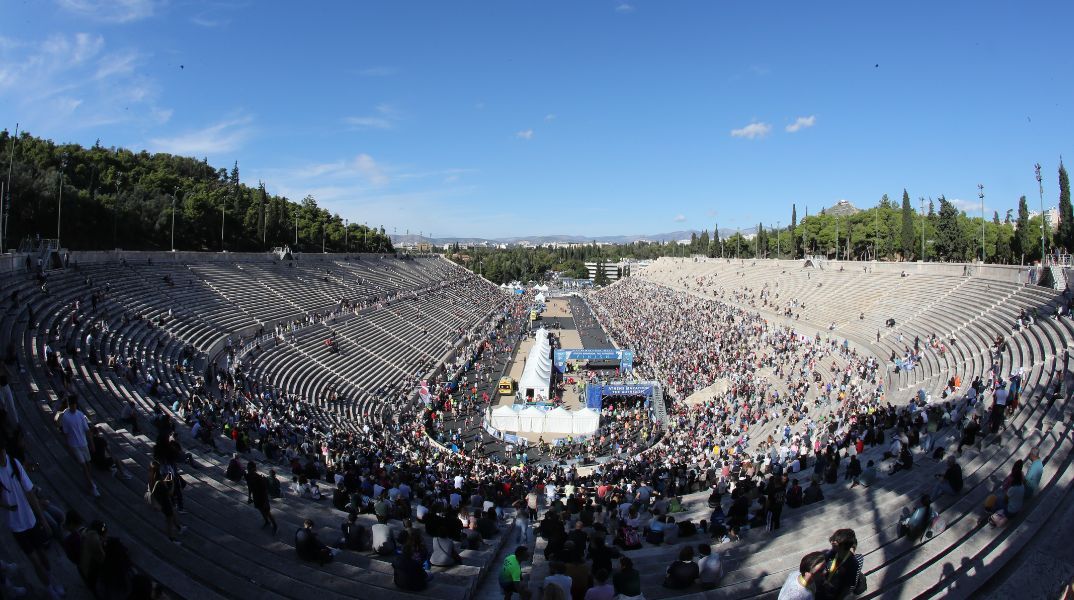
{"x": 174, "y": 192}
{"x": 7, "y": 191}
{"x": 346, "y": 236}
{"x": 980, "y": 194}
{"x": 922, "y": 229}
{"x": 223, "y": 217}
{"x": 322, "y": 235}
{"x": 876, "y": 230}
{"x": 115, "y": 211}
{"x": 296, "y": 229}
{"x": 837, "y": 237}
{"x": 59, "y": 201}
{"x": 1040, "y": 186}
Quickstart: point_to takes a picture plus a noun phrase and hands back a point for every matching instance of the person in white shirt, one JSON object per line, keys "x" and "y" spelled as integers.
{"x": 26, "y": 520}
{"x": 75, "y": 426}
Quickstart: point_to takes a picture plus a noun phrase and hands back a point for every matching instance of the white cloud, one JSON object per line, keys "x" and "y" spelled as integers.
{"x": 801, "y": 123}
{"x": 970, "y": 207}
{"x": 385, "y": 117}
{"x": 679, "y": 218}
{"x": 525, "y": 134}
{"x": 752, "y": 131}
{"x": 368, "y": 168}
{"x": 111, "y": 11}
{"x": 624, "y": 8}
{"x": 225, "y": 136}
{"x": 70, "y": 82}
{"x": 550, "y": 117}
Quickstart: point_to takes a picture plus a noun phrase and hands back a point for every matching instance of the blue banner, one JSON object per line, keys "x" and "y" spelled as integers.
{"x": 625, "y": 357}
{"x": 595, "y": 392}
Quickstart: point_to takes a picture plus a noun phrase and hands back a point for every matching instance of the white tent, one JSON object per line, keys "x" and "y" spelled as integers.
{"x": 559, "y": 420}
{"x": 531, "y": 419}
{"x": 537, "y": 375}
{"x": 505, "y": 418}
{"x": 585, "y": 421}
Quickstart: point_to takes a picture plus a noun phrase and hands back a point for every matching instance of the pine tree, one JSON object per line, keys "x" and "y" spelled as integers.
{"x": 794, "y": 226}
{"x": 885, "y": 202}
{"x": 1023, "y": 238}
{"x": 950, "y": 243}
{"x": 1065, "y": 234}
{"x": 907, "y": 237}
{"x": 714, "y": 248}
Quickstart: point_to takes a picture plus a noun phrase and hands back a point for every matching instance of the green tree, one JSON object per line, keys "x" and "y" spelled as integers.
{"x": 1065, "y": 234}
{"x": 907, "y": 237}
{"x": 601, "y": 277}
{"x": 950, "y": 241}
{"x": 1023, "y": 239}
{"x": 793, "y": 227}
{"x": 714, "y": 248}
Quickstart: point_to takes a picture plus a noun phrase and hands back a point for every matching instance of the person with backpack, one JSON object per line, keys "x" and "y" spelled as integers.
{"x": 841, "y": 568}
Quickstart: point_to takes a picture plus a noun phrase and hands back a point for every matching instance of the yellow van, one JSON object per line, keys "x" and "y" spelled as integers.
{"x": 507, "y": 386}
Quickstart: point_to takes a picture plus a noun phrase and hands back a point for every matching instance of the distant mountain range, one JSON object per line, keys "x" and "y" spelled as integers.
{"x": 536, "y": 240}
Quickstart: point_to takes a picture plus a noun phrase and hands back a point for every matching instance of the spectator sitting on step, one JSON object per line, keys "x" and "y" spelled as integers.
{"x": 950, "y": 481}
{"x": 273, "y": 484}
{"x": 710, "y": 567}
{"x": 355, "y": 535}
{"x": 383, "y": 539}
{"x": 813, "y": 493}
{"x": 310, "y": 548}
{"x": 234, "y": 471}
{"x": 407, "y": 570}
{"x": 802, "y": 584}
{"x": 904, "y": 462}
{"x": 867, "y": 476}
{"x": 913, "y": 525}
{"x": 682, "y": 573}
{"x": 1033, "y": 474}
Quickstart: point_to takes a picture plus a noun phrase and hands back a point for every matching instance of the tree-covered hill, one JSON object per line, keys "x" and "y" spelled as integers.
{"x": 116, "y": 198}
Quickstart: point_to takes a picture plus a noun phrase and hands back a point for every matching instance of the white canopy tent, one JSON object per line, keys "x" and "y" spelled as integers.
{"x": 559, "y": 420}
{"x": 585, "y": 421}
{"x": 536, "y": 377}
{"x": 505, "y": 418}
{"x": 531, "y": 419}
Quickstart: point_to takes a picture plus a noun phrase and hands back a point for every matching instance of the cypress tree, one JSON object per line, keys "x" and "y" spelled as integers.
{"x": 1065, "y": 234}
{"x": 907, "y": 237}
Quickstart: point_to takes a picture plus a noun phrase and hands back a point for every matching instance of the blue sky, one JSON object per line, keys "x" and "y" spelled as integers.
{"x": 585, "y": 117}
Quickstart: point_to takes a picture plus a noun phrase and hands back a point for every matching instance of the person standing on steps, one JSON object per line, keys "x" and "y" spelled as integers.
{"x": 75, "y": 425}
{"x": 258, "y": 495}
{"x": 25, "y": 519}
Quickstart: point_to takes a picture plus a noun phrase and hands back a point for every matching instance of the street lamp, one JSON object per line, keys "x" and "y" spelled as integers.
{"x": 223, "y": 217}
{"x": 922, "y": 229}
{"x": 296, "y": 229}
{"x": 59, "y": 201}
{"x": 346, "y": 236}
{"x": 980, "y": 194}
{"x": 1040, "y": 186}
{"x": 322, "y": 235}
{"x": 174, "y": 192}
{"x": 7, "y": 191}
